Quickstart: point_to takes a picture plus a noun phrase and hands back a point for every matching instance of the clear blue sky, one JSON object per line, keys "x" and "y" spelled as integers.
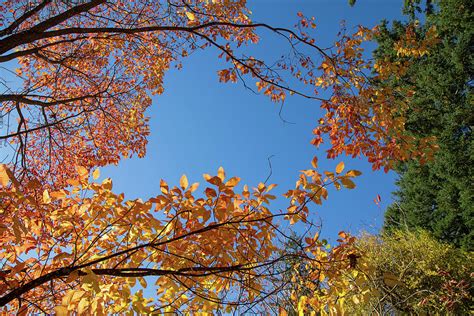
{"x": 199, "y": 124}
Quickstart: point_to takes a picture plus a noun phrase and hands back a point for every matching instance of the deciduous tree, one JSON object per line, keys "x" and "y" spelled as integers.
{"x": 84, "y": 248}
{"x": 85, "y": 71}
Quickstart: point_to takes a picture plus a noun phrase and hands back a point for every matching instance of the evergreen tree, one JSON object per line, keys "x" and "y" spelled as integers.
{"x": 438, "y": 196}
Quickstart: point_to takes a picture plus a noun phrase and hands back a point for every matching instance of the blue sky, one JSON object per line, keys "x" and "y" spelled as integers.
{"x": 199, "y": 124}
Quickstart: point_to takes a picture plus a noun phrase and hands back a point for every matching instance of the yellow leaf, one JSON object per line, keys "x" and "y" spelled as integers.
{"x": 163, "y": 187}
{"x": 62, "y": 256}
{"x": 169, "y": 227}
{"x": 58, "y": 194}
{"x": 83, "y": 305}
{"x": 190, "y": 16}
{"x": 46, "y": 197}
{"x": 83, "y": 173}
{"x": 183, "y": 182}
{"x": 194, "y": 187}
{"x": 302, "y": 305}
{"x": 142, "y": 282}
{"x": 314, "y": 162}
{"x": 96, "y": 174}
{"x": 18, "y": 268}
{"x": 232, "y": 182}
{"x": 340, "y": 167}
{"x": 73, "y": 182}
{"x": 324, "y": 193}
{"x": 353, "y": 173}
{"x": 292, "y": 220}
{"x": 76, "y": 296}
{"x": 4, "y": 178}
{"x": 107, "y": 184}
{"x": 17, "y": 229}
{"x": 221, "y": 173}
{"x": 61, "y": 310}
{"x": 271, "y": 186}
{"x": 92, "y": 279}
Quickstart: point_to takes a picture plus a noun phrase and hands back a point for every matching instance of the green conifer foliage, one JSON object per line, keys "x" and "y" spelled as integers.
{"x": 438, "y": 196}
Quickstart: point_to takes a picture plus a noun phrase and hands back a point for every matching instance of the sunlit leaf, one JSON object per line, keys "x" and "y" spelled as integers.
{"x": 190, "y": 16}
{"x": 340, "y": 167}
{"x": 96, "y": 174}
{"x": 46, "y": 197}
{"x": 183, "y": 182}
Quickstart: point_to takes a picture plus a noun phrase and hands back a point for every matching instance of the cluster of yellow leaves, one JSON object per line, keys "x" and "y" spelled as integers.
{"x": 88, "y": 229}
{"x": 88, "y": 246}
{"x": 402, "y": 270}
{"x": 311, "y": 186}
{"x": 411, "y": 46}
{"x": 331, "y": 277}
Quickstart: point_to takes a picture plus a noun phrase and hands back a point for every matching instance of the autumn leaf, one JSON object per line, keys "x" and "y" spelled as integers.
{"x": 96, "y": 174}
{"x": 190, "y": 16}
{"x": 57, "y": 194}
{"x": 391, "y": 280}
{"x": 107, "y": 184}
{"x": 340, "y": 167}
{"x": 221, "y": 173}
{"x": 353, "y": 173}
{"x": 4, "y": 178}
{"x": 183, "y": 182}
{"x": 194, "y": 187}
{"x": 82, "y": 172}
{"x": 232, "y": 182}
{"x": 347, "y": 183}
{"x": 46, "y": 197}
{"x": 61, "y": 310}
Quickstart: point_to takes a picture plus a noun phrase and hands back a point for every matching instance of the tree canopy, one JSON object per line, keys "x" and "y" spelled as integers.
{"x": 84, "y": 75}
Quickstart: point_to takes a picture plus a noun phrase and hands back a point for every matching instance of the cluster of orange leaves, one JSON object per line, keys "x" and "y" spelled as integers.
{"x": 366, "y": 118}
{"x": 90, "y": 90}
{"x": 79, "y": 239}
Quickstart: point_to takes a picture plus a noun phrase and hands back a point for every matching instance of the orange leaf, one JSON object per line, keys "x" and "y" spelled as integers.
{"x": 183, "y": 182}
{"x": 4, "y": 178}
{"x": 190, "y": 16}
{"x": 46, "y": 197}
{"x": 96, "y": 174}
{"x": 340, "y": 167}
{"x": 348, "y": 183}
{"x": 353, "y": 173}
{"x": 82, "y": 172}
{"x": 194, "y": 187}
{"x": 221, "y": 173}
{"x": 232, "y": 182}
